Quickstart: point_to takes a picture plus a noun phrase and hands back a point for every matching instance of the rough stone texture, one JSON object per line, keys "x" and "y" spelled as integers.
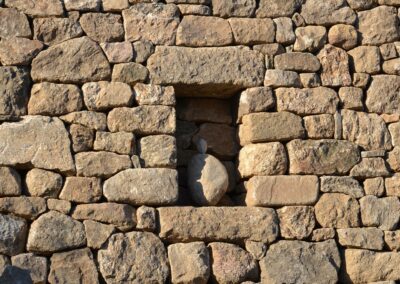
{"x": 284, "y": 31}
{"x": 346, "y": 185}
{"x": 44, "y": 140}
{"x": 10, "y": 182}
{"x": 370, "y": 167}
{"x": 323, "y": 234}
{"x": 203, "y": 31}
{"x": 101, "y": 164}
{"x": 252, "y": 31}
{"x": 279, "y": 78}
{"x": 148, "y": 94}
{"x": 343, "y": 36}
{"x": 337, "y": 210}
{"x": 384, "y": 84}
{"x": 139, "y": 187}
{"x": 280, "y": 8}
{"x": 14, "y": 92}
{"x": 262, "y": 159}
{"x": 102, "y": 27}
{"x": 13, "y": 24}
{"x": 177, "y": 224}
{"x": 391, "y": 67}
{"x": 26, "y": 207}
{"x": 218, "y": 71}
{"x": 322, "y": 157}
{"x": 12, "y": 234}
{"x": 82, "y": 5}
{"x": 231, "y": 264}
{"x": 144, "y": 259}
{"x": 82, "y": 138}
{"x": 392, "y": 239}
{"x": 130, "y": 73}
{"x": 118, "y": 142}
{"x": 146, "y": 218}
{"x": 53, "y": 232}
{"x": 81, "y": 189}
{"x": 142, "y": 120}
{"x": 380, "y": 212}
{"x": 56, "y": 30}
{"x": 158, "y": 151}
{"x": 310, "y": 38}
{"x": 62, "y": 62}
{"x": 37, "y": 8}
{"x": 76, "y": 266}
{"x": 54, "y": 99}
{"x": 281, "y": 190}
{"x": 297, "y": 61}
{"x": 256, "y": 99}
{"x": 61, "y": 206}
{"x": 19, "y": 51}
{"x": 366, "y": 59}
{"x": 299, "y": 259}
{"x": 97, "y": 233}
{"x": 307, "y": 101}
{"x": 327, "y": 13}
{"x": 351, "y": 98}
{"x": 335, "y": 67}
{"x": 150, "y": 21}
{"x": 36, "y": 265}
{"x": 118, "y": 52}
{"x": 190, "y": 263}
{"x": 320, "y": 126}
{"x": 374, "y": 186}
{"x": 89, "y": 119}
{"x": 296, "y": 222}
{"x": 229, "y": 8}
{"x": 378, "y": 25}
{"x": 366, "y": 238}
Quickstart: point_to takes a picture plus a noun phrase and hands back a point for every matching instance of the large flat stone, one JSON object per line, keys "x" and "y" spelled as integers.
{"x": 63, "y": 62}
{"x": 216, "y": 72}
{"x": 44, "y": 140}
{"x": 232, "y": 224}
{"x": 327, "y": 13}
{"x": 390, "y": 102}
{"x": 37, "y": 8}
{"x": 13, "y": 24}
{"x": 282, "y": 190}
{"x": 143, "y": 187}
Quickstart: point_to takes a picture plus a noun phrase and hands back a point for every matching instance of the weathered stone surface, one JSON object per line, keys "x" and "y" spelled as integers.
{"x": 310, "y": 38}
{"x": 14, "y": 90}
{"x": 130, "y": 73}
{"x": 256, "y": 99}
{"x": 231, "y": 8}
{"x": 279, "y": 78}
{"x": 203, "y": 31}
{"x": 346, "y": 185}
{"x": 142, "y": 49}
{"x": 374, "y": 186}
{"x": 63, "y": 62}
{"x": 267, "y": 127}
{"x": 12, "y": 235}
{"x": 207, "y": 178}
{"x": 183, "y": 224}
{"x": 392, "y": 66}
{"x": 297, "y": 61}
{"x": 284, "y": 31}
{"x": 97, "y": 233}
{"x": 44, "y": 140}
{"x": 385, "y": 265}
{"x": 327, "y": 13}
{"x": 146, "y": 218}
{"x": 394, "y": 129}
{"x": 380, "y": 212}
{"x": 335, "y": 67}
{"x": 10, "y": 182}
{"x": 262, "y": 159}
{"x": 150, "y": 21}
{"x": 118, "y": 142}
{"x": 393, "y": 159}
{"x": 75, "y": 266}
{"x": 118, "y": 52}
{"x": 307, "y": 101}
{"x": 13, "y": 24}
{"x": 299, "y": 261}
{"x": 53, "y": 232}
{"x": 319, "y": 126}
{"x": 351, "y": 98}
{"x": 148, "y": 94}
{"x": 19, "y": 51}
{"x": 190, "y": 263}
{"x": 61, "y": 206}
{"x": 105, "y": 95}
{"x": 360, "y": 5}
{"x": 323, "y": 234}
{"x": 388, "y": 85}
{"x": 367, "y": 130}
{"x": 82, "y": 138}
{"x": 366, "y": 238}
{"x": 366, "y": 59}
{"x": 209, "y": 71}
{"x": 102, "y": 27}
{"x": 282, "y": 190}
{"x": 370, "y": 167}
{"x": 205, "y": 110}
{"x": 343, "y": 36}
{"x": 252, "y": 31}
{"x": 158, "y": 151}
{"x": 13, "y": 274}
{"x": 280, "y": 8}
{"x": 115, "y": 5}
{"x": 322, "y": 157}
{"x": 337, "y": 210}
{"x": 43, "y": 183}
{"x": 23, "y": 206}
{"x": 143, "y": 120}
{"x": 144, "y": 259}
{"x": 101, "y": 164}
{"x": 56, "y": 30}
{"x": 232, "y": 264}
{"x": 198, "y": 10}
{"x": 82, "y": 189}
{"x": 54, "y": 99}
{"x": 296, "y": 222}
{"x": 388, "y": 51}
{"x": 392, "y": 239}
{"x": 82, "y": 5}
{"x": 139, "y": 187}
{"x": 36, "y": 265}
{"x": 378, "y": 25}
{"x": 37, "y": 8}
{"x": 89, "y": 119}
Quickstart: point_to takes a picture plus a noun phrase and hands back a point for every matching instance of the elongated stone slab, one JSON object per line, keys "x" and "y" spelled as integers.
{"x": 231, "y": 224}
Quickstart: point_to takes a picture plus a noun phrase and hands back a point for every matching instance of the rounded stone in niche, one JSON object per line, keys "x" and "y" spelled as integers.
{"x": 207, "y": 177}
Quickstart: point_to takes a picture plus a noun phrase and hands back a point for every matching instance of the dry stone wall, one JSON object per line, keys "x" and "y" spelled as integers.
{"x": 199, "y": 141}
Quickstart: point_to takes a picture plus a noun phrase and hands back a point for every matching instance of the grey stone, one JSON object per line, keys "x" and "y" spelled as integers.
{"x": 12, "y": 234}
{"x": 297, "y": 61}
{"x": 346, "y": 185}
{"x": 53, "y": 30}
{"x": 10, "y": 182}
{"x": 380, "y": 212}
{"x": 13, "y": 24}
{"x": 158, "y": 151}
{"x": 366, "y": 238}
{"x": 36, "y": 265}
{"x": 89, "y": 119}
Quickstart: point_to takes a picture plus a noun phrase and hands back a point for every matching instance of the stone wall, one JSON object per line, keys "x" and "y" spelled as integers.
{"x": 102, "y": 105}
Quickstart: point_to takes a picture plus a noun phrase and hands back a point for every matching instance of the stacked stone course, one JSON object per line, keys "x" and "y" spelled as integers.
{"x": 102, "y": 104}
